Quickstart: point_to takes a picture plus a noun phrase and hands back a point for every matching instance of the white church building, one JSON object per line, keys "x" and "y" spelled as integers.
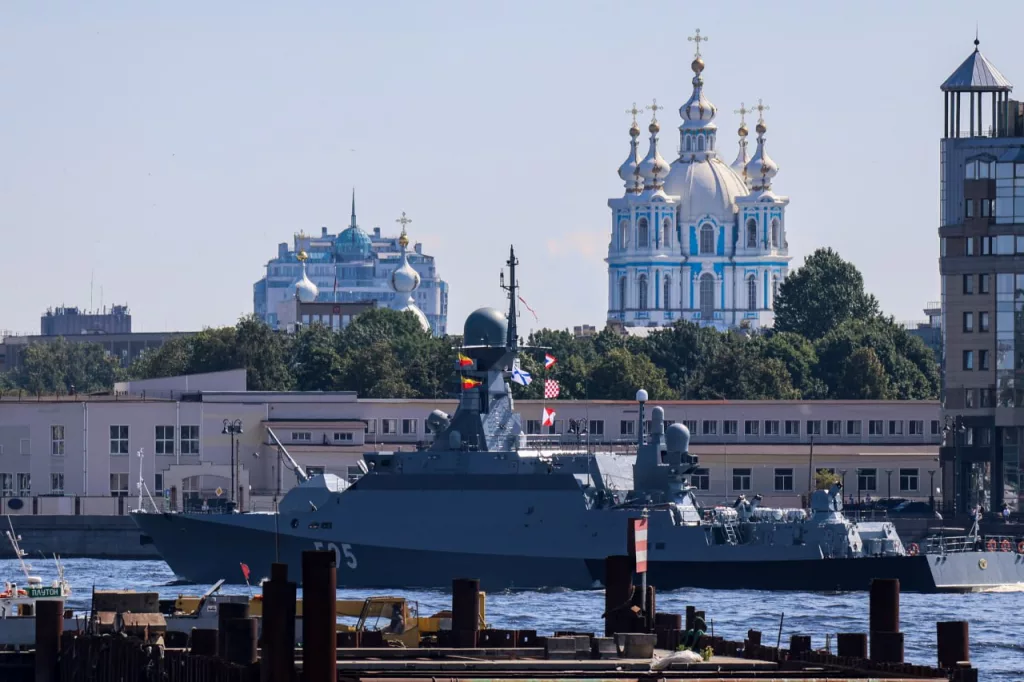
{"x": 697, "y": 239}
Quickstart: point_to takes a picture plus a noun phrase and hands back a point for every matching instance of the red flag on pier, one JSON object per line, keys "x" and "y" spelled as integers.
{"x": 245, "y": 571}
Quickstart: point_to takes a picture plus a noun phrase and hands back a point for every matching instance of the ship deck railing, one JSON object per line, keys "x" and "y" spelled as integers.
{"x": 969, "y": 543}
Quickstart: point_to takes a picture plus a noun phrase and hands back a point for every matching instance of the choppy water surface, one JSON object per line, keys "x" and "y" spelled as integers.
{"x": 996, "y": 618}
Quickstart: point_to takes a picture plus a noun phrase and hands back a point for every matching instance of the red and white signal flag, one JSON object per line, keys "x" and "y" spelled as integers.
{"x": 548, "y": 417}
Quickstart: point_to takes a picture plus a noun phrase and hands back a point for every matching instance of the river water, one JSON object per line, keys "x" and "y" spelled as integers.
{"x": 996, "y": 618}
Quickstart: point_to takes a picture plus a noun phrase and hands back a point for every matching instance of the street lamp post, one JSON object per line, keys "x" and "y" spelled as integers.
{"x": 931, "y": 488}
{"x": 233, "y": 428}
{"x": 888, "y": 483}
{"x": 954, "y": 426}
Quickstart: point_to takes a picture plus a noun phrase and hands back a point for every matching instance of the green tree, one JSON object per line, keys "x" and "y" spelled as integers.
{"x": 620, "y": 374}
{"x": 315, "y": 363}
{"x": 864, "y": 377}
{"x": 822, "y": 294}
{"x": 375, "y": 372}
{"x": 62, "y": 367}
{"x": 173, "y": 358}
{"x": 800, "y": 359}
{"x": 740, "y": 371}
{"x": 824, "y": 479}
{"x": 684, "y": 351}
{"x": 264, "y": 355}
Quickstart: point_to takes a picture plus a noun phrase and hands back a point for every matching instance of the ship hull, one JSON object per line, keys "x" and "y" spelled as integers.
{"x": 205, "y": 548}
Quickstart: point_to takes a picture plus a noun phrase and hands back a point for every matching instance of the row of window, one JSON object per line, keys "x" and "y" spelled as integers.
{"x": 743, "y": 479}
{"x": 164, "y": 441}
{"x": 20, "y": 485}
{"x": 983, "y": 356}
{"x": 706, "y": 240}
{"x": 707, "y": 293}
{"x": 999, "y": 245}
{"x": 984, "y": 322}
{"x": 753, "y": 427}
{"x": 336, "y": 437}
{"x": 984, "y": 283}
{"x": 985, "y": 208}
{"x": 979, "y": 397}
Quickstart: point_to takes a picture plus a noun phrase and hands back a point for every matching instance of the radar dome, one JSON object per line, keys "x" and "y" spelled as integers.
{"x": 677, "y": 438}
{"x": 485, "y": 327}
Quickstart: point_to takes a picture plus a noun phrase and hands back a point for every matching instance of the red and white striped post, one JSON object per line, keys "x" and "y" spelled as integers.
{"x": 638, "y": 547}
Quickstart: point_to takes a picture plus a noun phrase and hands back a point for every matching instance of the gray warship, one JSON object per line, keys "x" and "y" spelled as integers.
{"x": 480, "y": 502}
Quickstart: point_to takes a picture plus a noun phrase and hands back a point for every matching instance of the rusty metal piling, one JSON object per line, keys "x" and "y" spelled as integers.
{"x": 886, "y": 640}
{"x": 277, "y": 661}
{"x": 319, "y": 618}
{"x": 49, "y": 628}
{"x": 204, "y": 642}
{"x": 618, "y": 591}
{"x": 239, "y": 641}
{"x": 228, "y": 611}
{"x": 465, "y": 611}
{"x": 953, "y": 643}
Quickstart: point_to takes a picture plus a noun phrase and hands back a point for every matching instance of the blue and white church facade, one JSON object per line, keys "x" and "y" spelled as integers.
{"x": 697, "y": 239}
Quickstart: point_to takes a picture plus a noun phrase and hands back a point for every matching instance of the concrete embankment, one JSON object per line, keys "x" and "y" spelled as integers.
{"x": 92, "y": 537}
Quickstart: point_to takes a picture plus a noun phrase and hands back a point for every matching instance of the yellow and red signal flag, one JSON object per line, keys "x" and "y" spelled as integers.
{"x": 468, "y": 383}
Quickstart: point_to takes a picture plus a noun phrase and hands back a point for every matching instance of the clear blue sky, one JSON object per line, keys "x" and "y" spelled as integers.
{"x": 168, "y": 147}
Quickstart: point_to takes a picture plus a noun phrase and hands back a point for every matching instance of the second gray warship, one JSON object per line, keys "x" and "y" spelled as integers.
{"x": 479, "y": 502}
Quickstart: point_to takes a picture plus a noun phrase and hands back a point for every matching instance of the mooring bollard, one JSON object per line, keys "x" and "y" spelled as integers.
{"x": 886, "y": 640}
{"x": 319, "y": 616}
{"x": 618, "y": 589}
{"x": 203, "y": 642}
{"x": 228, "y": 611}
{"x": 953, "y": 643}
{"x": 49, "y": 628}
{"x": 277, "y": 660}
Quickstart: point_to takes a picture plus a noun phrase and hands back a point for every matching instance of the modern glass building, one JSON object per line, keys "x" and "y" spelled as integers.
{"x": 981, "y": 261}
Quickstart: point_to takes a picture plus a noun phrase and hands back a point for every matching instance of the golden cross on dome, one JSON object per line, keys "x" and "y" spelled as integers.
{"x": 698, "y": 39}
{"x": 654, "y": 110}
{"x": 743, "y": 111}
{"x": 634, "y": 111}
{"x": 761, "y": 108}
{"x": 405, "y": 221}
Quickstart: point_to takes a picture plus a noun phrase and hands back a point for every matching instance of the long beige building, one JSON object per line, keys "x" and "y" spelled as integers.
{"x": 81, "y": 454}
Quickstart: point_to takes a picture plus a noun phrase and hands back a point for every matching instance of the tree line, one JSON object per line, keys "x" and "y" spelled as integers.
{"x": 830, "y": 341}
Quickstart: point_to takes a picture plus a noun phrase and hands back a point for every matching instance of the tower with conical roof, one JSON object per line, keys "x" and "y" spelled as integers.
{"x": 981, "y": 266}
{"x": 677, "y": 249}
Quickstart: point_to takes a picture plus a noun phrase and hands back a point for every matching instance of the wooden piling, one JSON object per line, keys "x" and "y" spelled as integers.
{"x": 618, "y": 590}
{"x": 49, "y": 628}
{"x": 953, "y": 643}
{"x": 691, "y": 615}
{"x": 319, "y": 594}
{"x": 277, "y": 661}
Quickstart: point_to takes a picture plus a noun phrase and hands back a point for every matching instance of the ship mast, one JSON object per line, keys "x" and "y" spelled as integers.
{"x": 511, "y": 337}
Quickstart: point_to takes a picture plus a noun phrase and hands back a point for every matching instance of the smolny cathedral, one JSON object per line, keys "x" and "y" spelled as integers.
{"x": 697, "y": 239}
